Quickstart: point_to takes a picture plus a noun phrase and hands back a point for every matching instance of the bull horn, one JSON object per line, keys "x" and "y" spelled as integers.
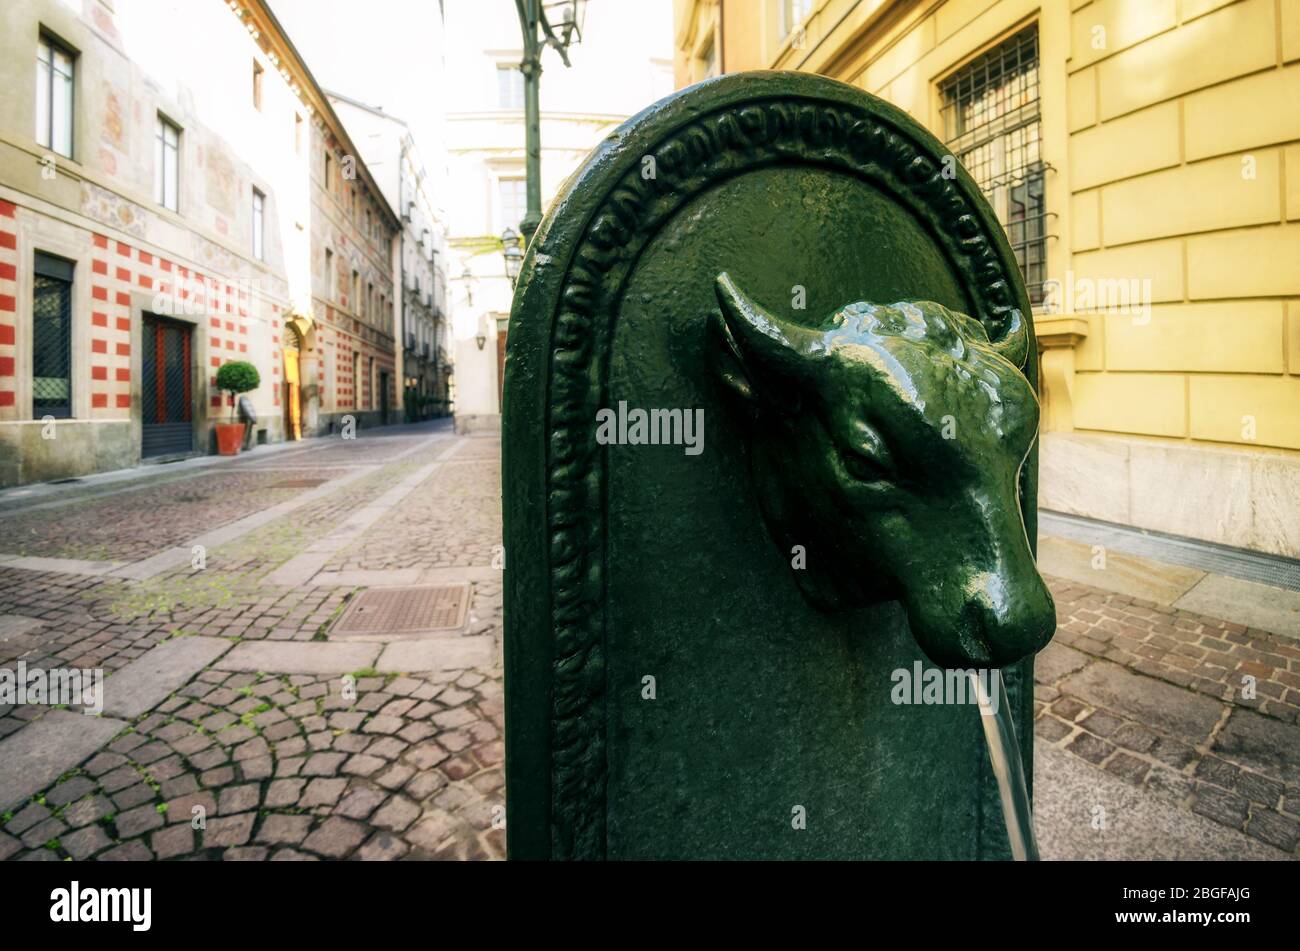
{"x": 762, "y": 336}
{"x": 1014, "y": 344}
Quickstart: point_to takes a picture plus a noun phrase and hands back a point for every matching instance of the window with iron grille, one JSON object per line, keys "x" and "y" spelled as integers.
{"x": 51, "y": 337}
{"x": 991, "y": 124}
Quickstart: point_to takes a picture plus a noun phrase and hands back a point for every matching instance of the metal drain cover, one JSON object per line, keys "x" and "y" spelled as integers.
{"x": 298, "y": 483}
{"x": 416, "y": 610}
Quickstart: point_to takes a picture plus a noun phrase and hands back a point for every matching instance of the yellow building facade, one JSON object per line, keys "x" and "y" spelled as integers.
{"x": 1144, "y": 156}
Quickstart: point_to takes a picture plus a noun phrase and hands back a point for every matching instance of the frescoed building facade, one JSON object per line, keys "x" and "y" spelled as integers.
{"x": 164, "y": 212}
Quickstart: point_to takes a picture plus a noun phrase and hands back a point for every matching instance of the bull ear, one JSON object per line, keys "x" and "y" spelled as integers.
{"x": 1014, "y": 344}
{"x": 753, "y": 349}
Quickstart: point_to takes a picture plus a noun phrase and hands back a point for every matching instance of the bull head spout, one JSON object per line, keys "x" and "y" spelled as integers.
{"x": 888, "y": 442}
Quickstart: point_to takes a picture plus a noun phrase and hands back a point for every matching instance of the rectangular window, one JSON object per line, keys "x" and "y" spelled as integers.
{"x": 257, "y": 85}
{"x": 991, "y": 124}
{"x": 354, "y": 302}
{"x": 329, "y": 172}
{"x": 510, "y": 87}
{"x": 329, "y": 274}
{"x": 793, "y": 13}
{"x": 356, "y": 380}
{"x": 512, "y": 199}
{"x": 54, "y": 74}
{"x": 52, "y": 337}
{"x": 167, "y": 144}
{"x": 370, "y": 301}
{"x": 259, "y": 222}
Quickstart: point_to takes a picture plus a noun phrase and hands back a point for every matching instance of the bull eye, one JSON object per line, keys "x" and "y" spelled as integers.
{"x": 864, "y": 468}
{"x": 867, "y": 459}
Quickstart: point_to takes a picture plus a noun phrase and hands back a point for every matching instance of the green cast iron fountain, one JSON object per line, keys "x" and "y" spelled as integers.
{"x": 702, "y": 626}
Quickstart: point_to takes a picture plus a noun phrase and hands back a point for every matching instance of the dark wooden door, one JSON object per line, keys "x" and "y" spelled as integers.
{"x": 165, "y": 397}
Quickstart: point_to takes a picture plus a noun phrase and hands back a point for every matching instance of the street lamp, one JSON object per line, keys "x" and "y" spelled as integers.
{"x": 513, "y": 254}
{"x": 468, "y": 277}
{"x": 535, "y": 15}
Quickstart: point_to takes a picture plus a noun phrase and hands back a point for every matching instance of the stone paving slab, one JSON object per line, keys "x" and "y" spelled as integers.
{"x": 299, "y": 570}
{"x": 314, "y": 657}
{"x": 451, "y": 574}
{"x": 1124, "y": 574}
{"x": 439, "y": 653}
{"x": 1173, "y": 710}
{"x": 1056, "y": 661}
{"x": 154, "y": 565}
{"x": 401, "y": 577}
{"x": 1268, "y": 744}
{"x": 367, "y": 578}
{"x": 146, "y": 682}
{"x": 1245, "y": 602}
{"x": 1138, "y": 824}
{"x": 48, "y": 747}
{"x": 70, "y": 566}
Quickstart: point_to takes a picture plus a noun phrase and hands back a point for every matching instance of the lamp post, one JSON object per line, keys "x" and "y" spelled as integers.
{"x": 535, "y": 22}
{"x": 513, "y": 254}
{"x": 467, "y": 277}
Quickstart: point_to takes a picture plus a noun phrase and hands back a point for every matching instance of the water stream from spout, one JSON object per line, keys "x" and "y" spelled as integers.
{"x": 1008, "y": 767}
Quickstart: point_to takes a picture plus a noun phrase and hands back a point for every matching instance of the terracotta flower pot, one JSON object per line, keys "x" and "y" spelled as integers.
{"x": 229, "y": 437}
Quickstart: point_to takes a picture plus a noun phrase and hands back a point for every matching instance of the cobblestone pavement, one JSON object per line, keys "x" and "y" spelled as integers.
{"x": 300, "y": 764}
{"x": 1160, "y": 698}
{"x": 278, "y": 764}
{"x": 286, "y": 767}
{"x": 131, "y": 525}
{"x": 455, "y": 528}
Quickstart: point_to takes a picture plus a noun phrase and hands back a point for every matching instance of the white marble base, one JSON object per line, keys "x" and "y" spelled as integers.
{"x": 1247, "y": 498}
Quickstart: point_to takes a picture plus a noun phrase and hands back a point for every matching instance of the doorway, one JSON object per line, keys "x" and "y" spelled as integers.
{"x": 292, "y": 386}
{"x": 166, "y": 397}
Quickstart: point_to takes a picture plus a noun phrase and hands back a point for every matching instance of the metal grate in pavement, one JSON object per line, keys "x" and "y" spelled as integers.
{"x": 299, "y": 483}
{"x": 1273, "y": 570}
{"x": 413, "y": 610}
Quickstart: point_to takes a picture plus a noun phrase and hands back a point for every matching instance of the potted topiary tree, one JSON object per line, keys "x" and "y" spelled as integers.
{"x": 235, "y": 377}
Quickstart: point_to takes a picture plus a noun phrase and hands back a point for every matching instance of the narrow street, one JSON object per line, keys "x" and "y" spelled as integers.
{"x": 240, "y": 722}
{"x": 250, "y": 714}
